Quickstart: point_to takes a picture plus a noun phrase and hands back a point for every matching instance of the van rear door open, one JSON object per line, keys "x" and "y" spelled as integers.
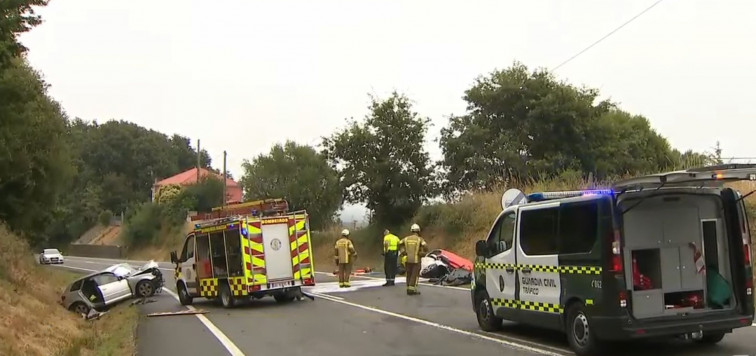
{"x": 659, "y": 227}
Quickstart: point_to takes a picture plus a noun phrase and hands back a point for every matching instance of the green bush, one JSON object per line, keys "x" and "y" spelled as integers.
{"x": 144, "y": 225}
{"x": 104, "y": 217}
{"x": 207, "y": 194}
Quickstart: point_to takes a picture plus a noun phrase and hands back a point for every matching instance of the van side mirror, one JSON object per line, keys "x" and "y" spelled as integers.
{"x": 174, "y": 258}
{"x": 481, "y": 248}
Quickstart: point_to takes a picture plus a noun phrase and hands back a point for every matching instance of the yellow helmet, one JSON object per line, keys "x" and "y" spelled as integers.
{"x": 415, "y": 228}
{"x": 345, "y": 232}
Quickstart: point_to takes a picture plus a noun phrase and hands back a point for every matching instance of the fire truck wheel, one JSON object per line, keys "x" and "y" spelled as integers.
{"x": 184, "y": 297}
{"x": 284, "y": 297}
{"x": 226, "y": 298}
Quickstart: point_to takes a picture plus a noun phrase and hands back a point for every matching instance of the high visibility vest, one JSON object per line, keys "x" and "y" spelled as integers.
{"x": 413, "y": 245}
{"x": 344, "y": 250}
{"x": 390, "y": 243}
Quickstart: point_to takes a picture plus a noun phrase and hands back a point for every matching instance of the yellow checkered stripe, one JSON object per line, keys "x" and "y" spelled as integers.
{"x": 495, "y": 265}
{"x": 238, "y": 286}
{"x": 528, "y": 305}
{"x": 506, "y": 303}
{"x": 208, "y": 287}
{"x": 543, "y": 268}
{"x": 580, "y": 269}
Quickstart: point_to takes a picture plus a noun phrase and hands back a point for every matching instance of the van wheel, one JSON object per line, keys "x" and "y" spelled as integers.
{"x": 487, "y": 320}
{"x": 580, "y": 334}
{"x": 184, "y": 297}
{"x": 711, "y": 337}
{"x": 227, "y": 300}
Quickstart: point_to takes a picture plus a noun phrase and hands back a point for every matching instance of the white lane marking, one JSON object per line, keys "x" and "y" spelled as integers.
{"x": 222, "y": 338}
{"x": 400, "y": 280}
{"x": 512, "y": 344}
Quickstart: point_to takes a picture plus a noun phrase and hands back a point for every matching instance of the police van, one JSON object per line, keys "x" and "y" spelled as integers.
{"x": 660, "y": 255}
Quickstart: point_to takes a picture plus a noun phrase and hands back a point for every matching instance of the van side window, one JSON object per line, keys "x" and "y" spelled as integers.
{"x": 503, "y": 231}
{"x": 188, "y": 251}
{"x": 538, "y": 231}
{"x": 578, "y": 226}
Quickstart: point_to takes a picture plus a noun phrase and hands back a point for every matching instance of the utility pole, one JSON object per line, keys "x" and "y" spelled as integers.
{"x": 199, "y": 154}
{"x": 224, "y": 180}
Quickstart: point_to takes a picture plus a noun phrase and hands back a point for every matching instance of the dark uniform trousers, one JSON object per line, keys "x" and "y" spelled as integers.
{"x": 389, "y": 265}
{"x": 413, "y": 273}
{"x": 345, "y": 272}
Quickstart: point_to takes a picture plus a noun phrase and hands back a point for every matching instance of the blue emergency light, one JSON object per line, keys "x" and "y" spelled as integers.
{"x": 542, "y": 196}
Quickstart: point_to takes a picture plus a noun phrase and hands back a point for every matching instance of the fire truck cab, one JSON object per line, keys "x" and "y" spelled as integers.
{"x": 245, "y": 251}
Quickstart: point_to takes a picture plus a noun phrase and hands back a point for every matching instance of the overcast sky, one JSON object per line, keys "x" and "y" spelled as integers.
{"x": 244, "y": 75}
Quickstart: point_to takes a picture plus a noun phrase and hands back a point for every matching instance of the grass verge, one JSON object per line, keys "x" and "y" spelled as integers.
{"x": 33, "y": 323}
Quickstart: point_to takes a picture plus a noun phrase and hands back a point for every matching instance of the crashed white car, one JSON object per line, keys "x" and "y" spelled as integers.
{"x": 50, "y": 255}
{"x": 114, "y": 284}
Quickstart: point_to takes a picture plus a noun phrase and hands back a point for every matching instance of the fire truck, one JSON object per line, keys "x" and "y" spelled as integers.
{"x": 245, "y": 251}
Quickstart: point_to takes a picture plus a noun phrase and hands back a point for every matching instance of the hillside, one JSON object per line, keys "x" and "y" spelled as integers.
{"x": 29, "y": 300}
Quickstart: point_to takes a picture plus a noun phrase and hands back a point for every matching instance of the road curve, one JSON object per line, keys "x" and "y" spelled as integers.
{"x": 366, "y": 319}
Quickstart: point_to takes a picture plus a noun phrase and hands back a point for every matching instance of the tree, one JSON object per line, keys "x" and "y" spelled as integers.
{"x": 382, "y": 161}
{"x": 35, "y": 160}
{"x": 299, "y": 174}
{"x": 16, "y": 17}
{"x": 522, "y": 125}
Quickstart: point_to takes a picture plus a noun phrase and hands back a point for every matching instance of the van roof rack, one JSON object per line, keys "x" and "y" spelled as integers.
{"x": 544, "y": 196}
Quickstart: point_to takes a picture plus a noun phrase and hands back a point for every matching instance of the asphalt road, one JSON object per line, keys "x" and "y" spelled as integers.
{"x": 367, "y": 320}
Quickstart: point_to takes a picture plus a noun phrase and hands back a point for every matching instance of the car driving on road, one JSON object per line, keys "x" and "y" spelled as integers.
{"x": 50, "y": 255}
{"x": 114, "y": 284}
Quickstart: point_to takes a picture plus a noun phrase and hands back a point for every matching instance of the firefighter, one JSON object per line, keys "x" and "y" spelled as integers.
{"x": 414, "y": 247}
{"x": 344, "y": 255}
{"x": 390, "y": 254}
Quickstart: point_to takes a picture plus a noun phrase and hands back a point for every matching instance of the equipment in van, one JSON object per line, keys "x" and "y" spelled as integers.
{"x": 666, "y": 254}
{"x": 246, "y": 251}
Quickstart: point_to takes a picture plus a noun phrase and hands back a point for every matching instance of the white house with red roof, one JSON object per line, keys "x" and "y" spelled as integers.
{"x": 233, "y": 189}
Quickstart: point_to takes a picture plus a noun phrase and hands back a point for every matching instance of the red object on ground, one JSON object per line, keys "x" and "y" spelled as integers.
{"x": 456, "y": 261}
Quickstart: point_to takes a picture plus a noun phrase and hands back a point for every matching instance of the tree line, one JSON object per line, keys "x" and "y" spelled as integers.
{"x": 60, "y": 176}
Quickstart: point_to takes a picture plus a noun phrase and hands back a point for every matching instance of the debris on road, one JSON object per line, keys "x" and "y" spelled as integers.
{"x": 142, "y": 301}
{"x": 183, "y": 312}
{"x": 93, "y": 314}
{"x": 446, "y": 268}
{"x": 357, "y": 272}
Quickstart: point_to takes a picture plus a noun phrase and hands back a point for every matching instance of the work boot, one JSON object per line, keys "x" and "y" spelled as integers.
{"x": 388, "y": 283}
{"x": 347, "y": 285}
{"x": 391, "y": 283}
{"x": 341, "y": 285}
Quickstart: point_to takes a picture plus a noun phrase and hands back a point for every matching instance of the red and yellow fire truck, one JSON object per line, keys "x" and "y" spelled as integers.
{"x": 244, "y": 251}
